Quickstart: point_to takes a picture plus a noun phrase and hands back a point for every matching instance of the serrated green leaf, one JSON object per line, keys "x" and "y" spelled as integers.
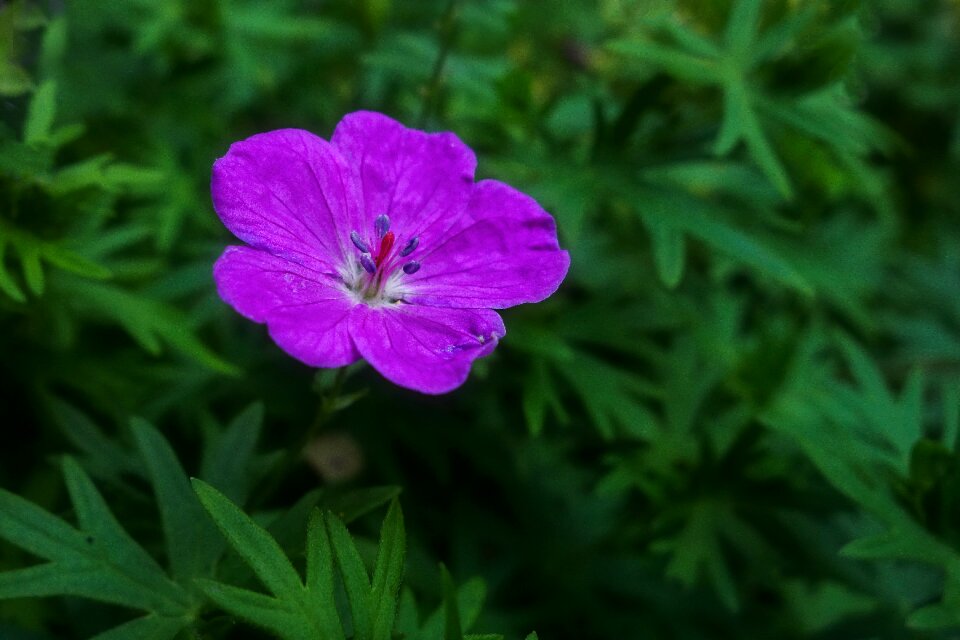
{"x": 36, "y": 530}
{"x": 354, "y": 574}
{"x": 192, "y": 542}
{"x": 98, "y": 522}
{"x": 254, "y": 544}
{"x": 320, "y": 577}
{"x": 151, "y": 627}
{"x": 470, "y": 597}
{"x": 103, "y": 455}
{"x": 351, "y": 504}
{"x": 227, "y": 460}
{"x": 702, "y": 220}
{"x": 100, "y": 561}
{"x": 258, "y": 609}
{"x": 388, "y": 573}
{"x": 146, "y": 320}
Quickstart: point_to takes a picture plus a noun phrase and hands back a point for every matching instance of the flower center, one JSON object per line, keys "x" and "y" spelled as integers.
{"x": 375, "y": 278}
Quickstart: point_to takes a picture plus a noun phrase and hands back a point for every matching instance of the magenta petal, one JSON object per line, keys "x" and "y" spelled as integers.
{"x": 306, "y": 311}
{"x": 421, "y": 181}
{"x": 424, "y": 348}
{"x": 289, "y": 192}
{"x": 504, "y": 252}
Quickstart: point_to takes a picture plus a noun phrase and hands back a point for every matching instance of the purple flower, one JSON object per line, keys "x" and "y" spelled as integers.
{"x": 379, "y": 245}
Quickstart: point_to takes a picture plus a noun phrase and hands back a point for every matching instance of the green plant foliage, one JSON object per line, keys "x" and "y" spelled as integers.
{"x": 99, "y": 560}
{"x": 738, "y": 416}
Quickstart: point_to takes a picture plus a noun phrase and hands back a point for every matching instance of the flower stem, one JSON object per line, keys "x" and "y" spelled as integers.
{"x": 447, "y": 29}
{"x": 293, "y": 456}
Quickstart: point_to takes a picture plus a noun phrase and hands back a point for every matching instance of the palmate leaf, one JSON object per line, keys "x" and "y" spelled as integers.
{"x": 669, "y": 212}
{"x": 100, "y": 561}
{"x": 611, "y": 396}
{"x": 32, "y": 252}
{"x": 863, "y": 437}
{"x": 306, "y": 609}
{"x": 148, "y": 321}
{"x": 192, "y": 544}
{"x": 97, "y": 560}
{"x": 459, "y": 610}
{"x": 734, "y": 63}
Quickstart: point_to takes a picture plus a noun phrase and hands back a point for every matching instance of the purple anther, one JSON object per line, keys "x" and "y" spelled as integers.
{"x": 411, "y": 267}
{"x": 358, "y": 242}
{"x": 381, "y": 225}
{"x": 367, "y": 263}
{"x": 409, "y": 247}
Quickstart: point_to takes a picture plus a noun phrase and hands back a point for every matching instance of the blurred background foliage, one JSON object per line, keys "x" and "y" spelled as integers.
{"x": 738, "y": 417}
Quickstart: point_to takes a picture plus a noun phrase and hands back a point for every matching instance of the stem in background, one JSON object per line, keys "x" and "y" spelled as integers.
{"x": 447, "y": 28}
{"x": 293, "y": 456}
{"x": 328, "y": 406}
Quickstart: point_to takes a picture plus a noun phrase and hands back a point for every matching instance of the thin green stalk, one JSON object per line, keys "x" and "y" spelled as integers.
{"x": 293, "y": 456}
{"x": 447, "y": 30}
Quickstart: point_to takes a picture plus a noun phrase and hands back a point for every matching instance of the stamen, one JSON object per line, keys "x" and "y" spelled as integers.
{"x": 381, "y": 225}
{"x": 411, "y": 267}
{"x": 358, "y": 243}
{"x": 410, "y": 246}
{"x": 367, "y": 263}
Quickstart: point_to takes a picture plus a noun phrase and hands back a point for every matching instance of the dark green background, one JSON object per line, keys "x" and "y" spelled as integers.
{"x": 738, "y": 418}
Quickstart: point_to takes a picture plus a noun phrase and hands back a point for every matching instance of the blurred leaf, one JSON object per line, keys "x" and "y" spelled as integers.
{"x": 98, "y": 561}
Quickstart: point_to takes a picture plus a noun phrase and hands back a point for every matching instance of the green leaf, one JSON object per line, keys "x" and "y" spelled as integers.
{"x": 451, "y": 612}
{"x": 647, "y": 55}
{"x": 708, "y": 223}
{"x": 611, "y": 395}
{"x": 74, "y": 262}
{"x": 98, "y": 561}
{"x": 32, "y": 269}
{"x": 742, "y": 122}
{"x": 146, "y": 320}
{"x": 192, "y": 544}
{"x": 103, "y": 456}
{"x": 14, "y": 80}
{"x": 151, "y": 627}
{"x": 254, "y": 544}
{"x": 469, "y": 597}
{"x": 349, "y": 505}
{"x": 355, "y": 579}
{"x": 228, "y": 458}
{"x": 539, "y": 396}
{"x": 320, "y": 577}
{"x": 270, "y": 613}
{"x": 7, "y": 285}
{"x": 742, "y": 28}
{"x": 40, "y": 114}
{"x": 96, "y": 520}
{"x": 669, "y": 250}
{"x": 308, "y": 610}
{"x": 388, "y": 573}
